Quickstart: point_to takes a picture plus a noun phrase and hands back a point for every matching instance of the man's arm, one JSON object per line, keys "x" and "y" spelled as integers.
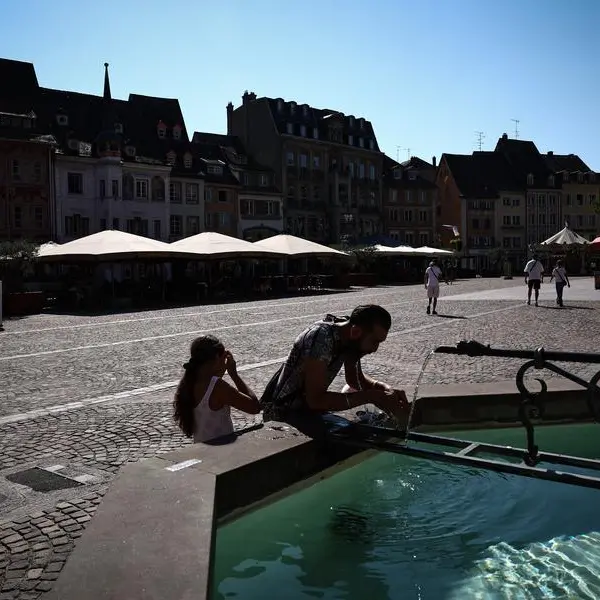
{"x": 318, "y": 398}
{"x": 356, "y": 379}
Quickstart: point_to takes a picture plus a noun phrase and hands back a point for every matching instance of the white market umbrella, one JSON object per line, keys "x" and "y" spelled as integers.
{"x": 428, "y": 251}
{"x": 105, "y": 246}
{"x": 565, "y": 237}
{"x": 296, "y": 247}
{"x": 396, "y": 251}
{"x": 210, "y": 244}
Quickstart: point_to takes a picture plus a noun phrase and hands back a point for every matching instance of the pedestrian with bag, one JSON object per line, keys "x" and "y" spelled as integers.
{"x": 559, "y": 275}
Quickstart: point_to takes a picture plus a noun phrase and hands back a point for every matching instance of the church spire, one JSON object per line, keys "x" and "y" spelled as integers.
{"x": 107, "y": 95}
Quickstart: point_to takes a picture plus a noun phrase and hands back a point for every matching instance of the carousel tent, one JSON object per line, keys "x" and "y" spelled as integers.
{"x": 296, "y": 247}
{"x": 106, "y": 245}
{"x": 427, "y": 251}
{"x": 210, "y": 244}
{"x": 396, "y": 251}
{"x": 595, "y": 244}
{"x": 565, "y": 237}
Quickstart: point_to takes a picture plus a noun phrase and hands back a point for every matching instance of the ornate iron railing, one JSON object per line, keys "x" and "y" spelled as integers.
{"x": 532, "y": 403}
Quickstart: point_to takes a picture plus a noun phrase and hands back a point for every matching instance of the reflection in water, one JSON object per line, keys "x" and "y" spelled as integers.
{"x": 397, "y": 528}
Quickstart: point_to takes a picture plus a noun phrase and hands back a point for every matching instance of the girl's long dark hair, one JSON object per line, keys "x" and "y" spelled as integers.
{"x": 203, "y": 349}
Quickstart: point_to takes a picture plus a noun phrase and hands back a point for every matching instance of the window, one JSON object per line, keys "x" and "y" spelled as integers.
{"x": 191, "y": 193}
{"x": 192, "y": 225}
{"x": 506, "y": 242}
{"x": 580, "y": 199}
{"x": 290, "y": 159}
{"x": 422, "y": 215}
{"x": 279, "y": 105}
{"x": 37, "y": 171}
{"x": 371, "y": 145}
{"x": 75, "y": 183}
{"x": 62, "y": 119}
{"x": 161, "y": 130}
{"x": 351, "y": 140}
{"x": 516, "y": 220}
{"x": 592, "y": 199}
{"x": 394, "y": 196}
{"x": 175, "y": 192}
{"x": 408, "y": 196}
{"x": 409, "y": 237}
{"x": 171, "y": 158}
{"x": 38, "y": 217}
{"x": 530, "y": 179}
{"x": 361, "y": 142}
{"x": 223, "y": 196}
{"x": 208, "y": 195}
{"x": 408, "y": 216}
{"x": 303, "y": 130}
{"x": 315, "y": 133}
{"x": 393, "y": 213}
{"x": 569, "y": 201}
{"x": 292, "y": 107}
{"x": 85, "y": 226}
{"x": 361, "y": 122}
{"x": 187, "y": 161}
{"x": 361, "y": 170}
{"x": 506, "y": 202}
{"x": 475, "y": 223}
{"x": 290, "y": 128}
{"x": 316, "y": 161}
{"x": 118, "y": 127}
{"x": 102, "y": 224}
{"x": 115, "y": 224}
{"x": 303, "y": 161}
{"x": 516, "y": 202}
{"x": 264, "y": 180}
{"x": 18, "y": 217}
{"x": 423, "y": 239}
{"x": 506, "y": 220}
{"x": 115, "y": 188}
{"x": 103, "y": 188}
{"x": 175, "y": 224}
{"x": 372, "y": 172}
{"x": 141, "y": 189}
{"x": 157, "y": 232}
{"x": 16, "y": 170}
{"x": 130, "y": 151}
{"x": 291, "y": 192}
{"x": 303, "y": 192}
{"x": 177, "y": 132}
{"x": 592, "y": 220}
{"x": 552, "y": 219}
{"x": 214, "y": 169}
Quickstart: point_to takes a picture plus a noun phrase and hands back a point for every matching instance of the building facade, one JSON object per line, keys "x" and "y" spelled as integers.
{"x": 410, "y": 201}
{"x": 580, "y": 199}
{"x": 328, "y": 166}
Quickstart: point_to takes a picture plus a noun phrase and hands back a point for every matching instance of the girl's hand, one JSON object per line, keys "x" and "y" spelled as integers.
{"x": 230, "y": 364}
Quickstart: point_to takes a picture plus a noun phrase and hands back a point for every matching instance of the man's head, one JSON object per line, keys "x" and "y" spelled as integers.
{"x": 369, "y": 326}
{"x": 433, "y": 262}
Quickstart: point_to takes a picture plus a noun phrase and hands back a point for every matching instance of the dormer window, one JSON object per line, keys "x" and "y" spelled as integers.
{"x": 187, "y": 160}
{"x": 130, "y": 150}
{"x": 290, "y": 129}
{"x": 279, "y": 105}
{"x": 62, "y": 119}
{"x": 397, "y": 173}
{"x": 305, "y": 110}
{"x": 551, "y": 181}
{"x": 303, "y": 130}
{"x": 292, "y": 108}
{"x": 171, "y": 158}
{"x": 73, "y": 144}
{"x": 361, "y": 123}
{"x": 214, "y": 169}
{"x": 361, "y": 142}
{"x": 592, "y": 177}
{"x": 264, "y": 180}
{"x": 177, "y": 132}
{"x": 566, "y": 176}
{"x": 371, "y": 144}
{"x": 530, "y": 179}
{"x": 315, "y": 133}
{"x": 351, "y": 121}
{"x": 580, "y": 177}
{"x": 412, "y": 175}
{"x": 161, "y": 130}
{"x": 351, "y": 140}
{"x": 118, "y": 127}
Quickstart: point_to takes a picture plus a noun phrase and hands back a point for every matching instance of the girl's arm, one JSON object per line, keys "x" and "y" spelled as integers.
{"x": 225, "y": 394}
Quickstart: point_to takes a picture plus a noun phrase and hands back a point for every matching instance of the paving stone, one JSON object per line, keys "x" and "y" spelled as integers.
{"x": 8, "y": 595}
{"x": 9, "y": 586}
{"x": 15, "y": 573}
{"x": 60, "y": 541}
{"x": 54, "y": 567}
{"x": 50, "y": 529}
{"x": 44, "y": 586}
{"x": 10, "y": 538}
{"x": 40, "y": 546}
{"x": 34, "y": 573}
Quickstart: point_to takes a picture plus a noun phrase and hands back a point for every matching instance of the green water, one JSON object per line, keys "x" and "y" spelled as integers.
{"x": 394, "y": 527}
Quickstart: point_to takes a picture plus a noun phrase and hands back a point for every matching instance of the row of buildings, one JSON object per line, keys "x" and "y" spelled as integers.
{"x": 72, "y": 164}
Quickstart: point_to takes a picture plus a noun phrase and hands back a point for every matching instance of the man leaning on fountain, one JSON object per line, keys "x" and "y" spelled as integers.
{"x": 300, "y": 388}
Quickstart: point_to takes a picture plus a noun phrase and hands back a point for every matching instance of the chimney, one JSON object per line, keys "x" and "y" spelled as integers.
{"x": 504, "y": 136}
{"x": 229, "y": 118}
{"x": 550, "y": 153}
{"x": 434, "y": 161}
{"x": 248, "y": 97}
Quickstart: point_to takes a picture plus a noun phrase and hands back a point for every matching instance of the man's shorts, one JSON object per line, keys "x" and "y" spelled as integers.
{"x": 433, "y": 291}
{"x": 534, "y": 284}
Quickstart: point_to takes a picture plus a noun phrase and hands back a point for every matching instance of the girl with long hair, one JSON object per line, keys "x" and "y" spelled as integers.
{"x": 203, "y": 400}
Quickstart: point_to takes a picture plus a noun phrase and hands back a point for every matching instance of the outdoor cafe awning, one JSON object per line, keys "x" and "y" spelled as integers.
{"x": 106, "y": 245}
{"x": 210, "y": 244}
{"x": 296, "y": 247}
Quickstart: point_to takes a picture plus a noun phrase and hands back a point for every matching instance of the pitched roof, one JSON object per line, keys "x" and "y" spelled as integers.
{"x": 406, "y": 180}
{"x": 418, "y": 163}
{"x": 311, "y": 118}
{"x": 565, "y": 162}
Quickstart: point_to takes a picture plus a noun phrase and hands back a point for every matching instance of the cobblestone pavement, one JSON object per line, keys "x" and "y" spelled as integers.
{"x": 81, "y": 396}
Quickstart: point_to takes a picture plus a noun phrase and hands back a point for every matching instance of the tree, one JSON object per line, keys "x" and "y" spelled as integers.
{"x": 15, "y": 257}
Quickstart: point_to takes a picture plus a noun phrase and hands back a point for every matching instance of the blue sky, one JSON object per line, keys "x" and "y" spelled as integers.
{"x": 427, "y": 73}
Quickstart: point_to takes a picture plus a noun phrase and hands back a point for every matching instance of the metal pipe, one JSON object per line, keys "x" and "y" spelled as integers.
{"x": 474, "y": 348}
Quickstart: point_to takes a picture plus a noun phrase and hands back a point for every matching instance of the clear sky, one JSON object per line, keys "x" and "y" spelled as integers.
{"x": 427, "y": 73}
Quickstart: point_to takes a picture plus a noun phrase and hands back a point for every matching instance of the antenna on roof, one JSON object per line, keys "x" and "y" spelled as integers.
{"x": 398, "y": 148}
{"x": 480, "y": 138}
{"x": 516, "y": 122}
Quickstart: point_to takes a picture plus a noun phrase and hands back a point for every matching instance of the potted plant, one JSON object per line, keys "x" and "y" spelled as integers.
{"x": 16, "y": 257}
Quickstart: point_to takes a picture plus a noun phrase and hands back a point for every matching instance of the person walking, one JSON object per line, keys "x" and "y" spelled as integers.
{"x": 559, "y": 275}
{"x": 432, "y": 285}
{"x": 534, "y": 271}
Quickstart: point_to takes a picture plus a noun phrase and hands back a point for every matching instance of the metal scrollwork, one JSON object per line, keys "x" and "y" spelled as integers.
{"x": 531, "y": 407}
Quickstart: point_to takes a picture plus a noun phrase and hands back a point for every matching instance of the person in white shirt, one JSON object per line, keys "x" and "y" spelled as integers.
{"x": 559, "y": 274}
{"x": 432, "y": 284}
{"x": 534, "y": 271}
